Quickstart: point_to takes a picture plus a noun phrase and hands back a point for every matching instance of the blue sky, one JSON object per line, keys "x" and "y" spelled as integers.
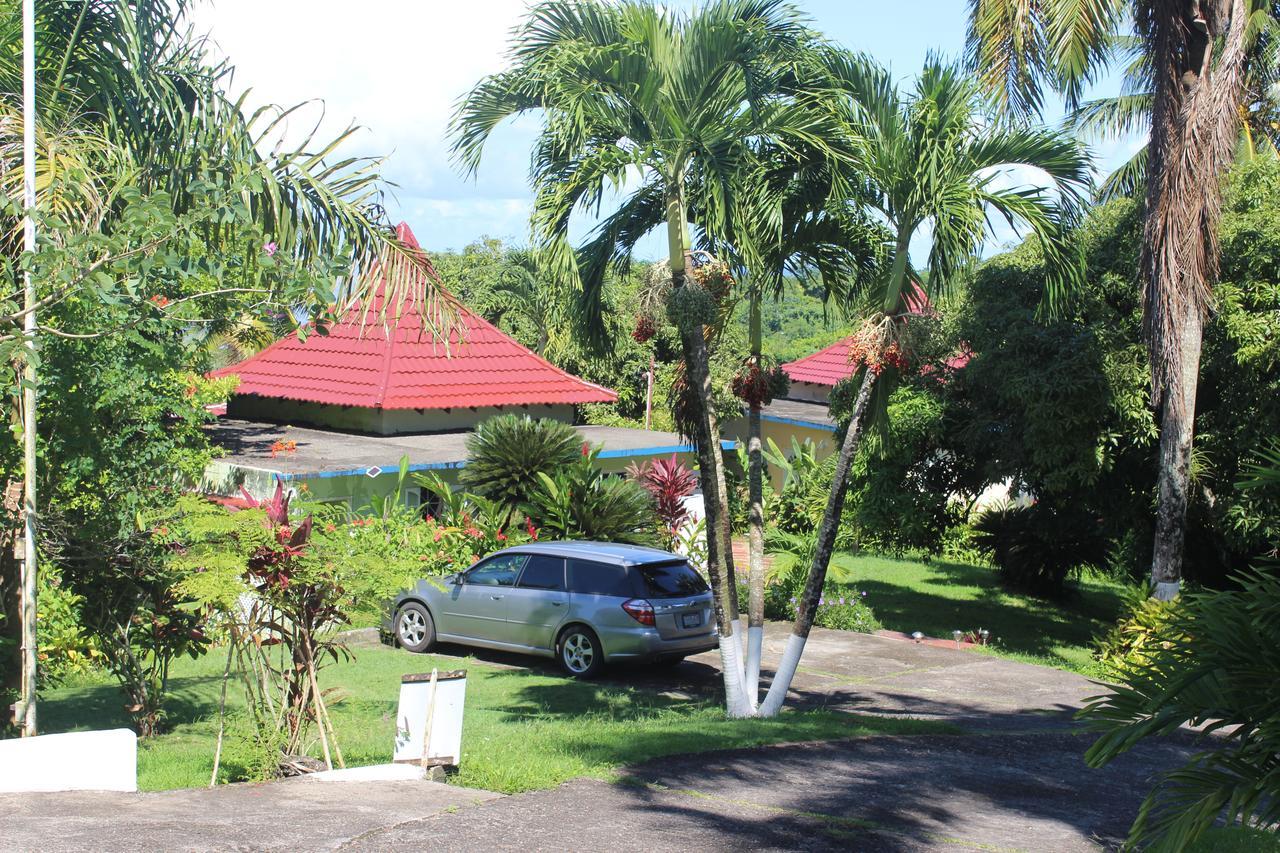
{"x": 397, "y": 68}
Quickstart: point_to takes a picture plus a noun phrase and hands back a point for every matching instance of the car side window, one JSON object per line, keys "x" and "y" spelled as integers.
{"x": 501, "y": 570}
{"x": 593, "y": 578}
{"x": 543, "y": 572}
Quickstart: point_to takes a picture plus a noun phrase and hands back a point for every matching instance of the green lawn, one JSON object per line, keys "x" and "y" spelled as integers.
{"x": 939, "y": 597}
{"x": 524, "y": 729}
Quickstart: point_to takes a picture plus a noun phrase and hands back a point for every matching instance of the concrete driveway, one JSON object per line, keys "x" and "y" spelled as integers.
{"x": 1015, "y": 780}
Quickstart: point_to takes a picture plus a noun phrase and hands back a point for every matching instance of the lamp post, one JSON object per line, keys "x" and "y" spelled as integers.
{"x": 26, "y": 709}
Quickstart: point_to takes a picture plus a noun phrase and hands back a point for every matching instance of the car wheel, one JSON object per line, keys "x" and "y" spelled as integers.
{"x": 414, "y": 628}
{"x": 579, "y": 652}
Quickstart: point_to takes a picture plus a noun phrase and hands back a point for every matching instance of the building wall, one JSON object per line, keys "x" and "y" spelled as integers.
{"x": 377, "y": 421}
{"x": 781, "y": 434}
{"x": 809, "y": 392}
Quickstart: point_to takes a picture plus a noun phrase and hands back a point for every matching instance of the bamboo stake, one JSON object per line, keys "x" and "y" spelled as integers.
{"x": 222, "y": 713}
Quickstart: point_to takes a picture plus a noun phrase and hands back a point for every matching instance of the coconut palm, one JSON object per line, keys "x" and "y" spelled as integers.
{"x": 1194, "y": 67}
{"x": 663, "y": 108}
{"x": 934, "y": 158}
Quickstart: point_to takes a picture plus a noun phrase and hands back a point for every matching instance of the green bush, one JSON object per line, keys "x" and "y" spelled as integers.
{"x": 1037, "y": 547}
{"x": 506, "y": 453}
{"x": 65, "y": 649}
{"x": 579, "y": 501}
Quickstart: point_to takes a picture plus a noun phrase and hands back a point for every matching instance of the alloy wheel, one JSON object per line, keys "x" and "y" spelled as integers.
{"x": 413, "y": 628}
{"x": 578, "y": 652}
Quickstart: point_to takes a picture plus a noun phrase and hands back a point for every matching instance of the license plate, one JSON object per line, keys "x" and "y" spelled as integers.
{"x": 691, "y": 620}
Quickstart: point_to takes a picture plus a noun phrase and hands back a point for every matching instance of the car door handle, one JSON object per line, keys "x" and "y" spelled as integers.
{"x": 558, "y": 603}
{"x": 495, "y": 597}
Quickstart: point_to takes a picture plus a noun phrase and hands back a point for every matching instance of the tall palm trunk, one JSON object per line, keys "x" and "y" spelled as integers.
{"x": 755, "y": 517}
{"x": 807, "y": 608}
{"x": 1194, "y": 125}
{"x": 710, "y": 474}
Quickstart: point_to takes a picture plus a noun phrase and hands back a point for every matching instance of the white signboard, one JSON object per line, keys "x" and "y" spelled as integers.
{"x": 439, "y": 700}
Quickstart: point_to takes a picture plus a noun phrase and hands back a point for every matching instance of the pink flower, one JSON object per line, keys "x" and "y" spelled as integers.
{"x": 270, "y": 248}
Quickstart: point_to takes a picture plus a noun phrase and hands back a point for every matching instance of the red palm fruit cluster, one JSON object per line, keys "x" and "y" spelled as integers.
{"x": 645, "y": 329}
{"x": 877, "y": 358}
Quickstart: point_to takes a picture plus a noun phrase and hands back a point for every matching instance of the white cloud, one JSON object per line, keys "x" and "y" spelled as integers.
{"x": 396, "y": 68}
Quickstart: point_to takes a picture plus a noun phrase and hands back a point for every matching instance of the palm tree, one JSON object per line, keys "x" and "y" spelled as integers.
{"x": 667, "y": 106}
{"x": 792, "y": 225}
{"x": 1194, "y": 67}
{"x": 1130, "y": 111}
{"x": 933, "y": 158}
{"x": 129, "y": 98}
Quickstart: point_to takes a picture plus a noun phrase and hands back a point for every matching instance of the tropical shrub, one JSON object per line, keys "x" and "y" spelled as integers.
{"x": 1036, "y": 547}
{"x": 1132, "y": 642}
{"x": 506, "y": 453}
{"x": 1213, "y": 663}
{"x": 806, "y": 484}
{"x": 65, "y": 649}
{"x": 132, "y": 602}
{"x": 900, "y": 489}
{"x": 582, "y": 502}
{"x": 668, "y": 482}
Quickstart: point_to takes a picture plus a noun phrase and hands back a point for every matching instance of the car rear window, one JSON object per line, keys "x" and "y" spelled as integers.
{"x": 671, "y": 580}
{"x": 600, "y": 579}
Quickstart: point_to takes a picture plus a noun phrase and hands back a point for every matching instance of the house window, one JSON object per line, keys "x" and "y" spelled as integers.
{"x": 424, "y": 501}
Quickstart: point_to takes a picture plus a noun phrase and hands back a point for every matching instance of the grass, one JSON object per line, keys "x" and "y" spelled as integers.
{"x": 524, "y": 729}
{"x": 938, "y": 597}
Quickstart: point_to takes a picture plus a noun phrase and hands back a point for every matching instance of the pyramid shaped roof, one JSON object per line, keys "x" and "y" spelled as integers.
{"x": 402, "y": 365}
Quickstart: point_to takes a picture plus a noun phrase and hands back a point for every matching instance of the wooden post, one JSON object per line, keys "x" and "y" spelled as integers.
{"x": 431, "y": 713}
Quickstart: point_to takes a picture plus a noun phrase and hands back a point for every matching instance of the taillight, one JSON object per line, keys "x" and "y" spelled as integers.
{"x": 640, "y": 610}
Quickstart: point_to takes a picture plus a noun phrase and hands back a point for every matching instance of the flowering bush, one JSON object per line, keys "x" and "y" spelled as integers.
{"x": 841, "y": 608}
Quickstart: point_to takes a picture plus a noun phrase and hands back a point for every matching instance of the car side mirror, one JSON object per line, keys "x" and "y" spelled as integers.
{"x": 455, "y": 579}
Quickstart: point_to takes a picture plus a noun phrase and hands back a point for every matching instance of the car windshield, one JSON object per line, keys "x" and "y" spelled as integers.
{"x": 671, "y": 580}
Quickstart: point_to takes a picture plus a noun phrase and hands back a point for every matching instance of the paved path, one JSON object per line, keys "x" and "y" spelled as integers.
{"x": 1014, "y": 781}
{"x": 296, "y": 814}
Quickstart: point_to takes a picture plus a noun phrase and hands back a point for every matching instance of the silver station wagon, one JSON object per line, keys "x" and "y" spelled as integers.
{"x": 583, "y": 603}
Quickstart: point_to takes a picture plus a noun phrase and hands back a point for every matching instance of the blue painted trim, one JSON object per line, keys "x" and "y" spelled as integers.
{"x": 797, "y": 422}
{"x": 361, "y": 472}
{"x": 726, "y": 444}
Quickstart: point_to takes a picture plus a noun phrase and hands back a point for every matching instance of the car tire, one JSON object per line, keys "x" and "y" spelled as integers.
{"x": 579, "y": 652}
{"x": 415, "y": 629}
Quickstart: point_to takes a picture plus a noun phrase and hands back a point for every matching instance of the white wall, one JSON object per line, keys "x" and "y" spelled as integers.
{"x": 78, "y": 761}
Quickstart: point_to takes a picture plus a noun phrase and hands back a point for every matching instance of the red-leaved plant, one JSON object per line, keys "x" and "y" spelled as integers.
{"x": 669, "y": 482}
{"x": 301, "y": 604}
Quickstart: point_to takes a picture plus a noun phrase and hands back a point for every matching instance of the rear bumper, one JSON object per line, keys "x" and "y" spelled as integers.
{"x": 647, "y": 644}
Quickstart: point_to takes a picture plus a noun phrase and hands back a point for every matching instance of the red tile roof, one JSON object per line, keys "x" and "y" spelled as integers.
{"x": 830, "y": 365}
{"x": 407, "y": 367}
